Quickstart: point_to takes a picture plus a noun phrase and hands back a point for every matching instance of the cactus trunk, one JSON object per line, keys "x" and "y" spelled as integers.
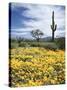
{"x": 53, "y": 26}
{"x": 52, "y": 35}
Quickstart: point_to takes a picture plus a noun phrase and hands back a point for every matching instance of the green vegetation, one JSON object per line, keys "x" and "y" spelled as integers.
{"x": 59, "y": 43}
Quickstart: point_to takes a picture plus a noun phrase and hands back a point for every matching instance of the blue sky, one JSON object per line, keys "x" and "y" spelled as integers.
{"x": 27, "y": 17}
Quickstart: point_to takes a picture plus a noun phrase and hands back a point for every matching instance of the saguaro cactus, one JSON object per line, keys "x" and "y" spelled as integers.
{"x": 53, "y": 26}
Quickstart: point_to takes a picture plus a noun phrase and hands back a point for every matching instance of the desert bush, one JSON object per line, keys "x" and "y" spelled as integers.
{"x": 23, "y": 44}
{"x": 51, "y": 46}
{"x": 47, "y": 45}
{"x": 60, "y": 42}
{"x": 13, "y": 45}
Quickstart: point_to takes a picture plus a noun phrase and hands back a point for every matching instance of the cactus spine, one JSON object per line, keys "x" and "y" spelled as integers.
{"x": 53, "y": 26}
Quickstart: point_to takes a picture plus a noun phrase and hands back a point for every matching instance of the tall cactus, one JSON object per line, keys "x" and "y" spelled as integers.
{"x": 53, "y": 26}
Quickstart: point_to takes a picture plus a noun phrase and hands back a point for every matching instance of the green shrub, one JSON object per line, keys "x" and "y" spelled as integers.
{"x": 51, "y": 46}
{"x": 13, "y": 45}
{"x": 60, "y": 42}
{"x": 23, "y": 44}
{"x": 47, "y": 45}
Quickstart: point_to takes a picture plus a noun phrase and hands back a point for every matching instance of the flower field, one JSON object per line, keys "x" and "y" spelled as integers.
{"x": 36, "y": 66}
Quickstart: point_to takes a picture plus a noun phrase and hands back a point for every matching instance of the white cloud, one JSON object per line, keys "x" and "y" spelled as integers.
{"x": 44, "y": 15}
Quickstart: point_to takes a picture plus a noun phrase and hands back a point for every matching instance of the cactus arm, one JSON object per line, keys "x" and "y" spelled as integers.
{"x": 51, "y": 27}
{"x": 55, "y": 27}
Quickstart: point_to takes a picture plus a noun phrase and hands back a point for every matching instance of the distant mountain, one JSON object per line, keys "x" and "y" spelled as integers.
{"x": 46, "y": 38}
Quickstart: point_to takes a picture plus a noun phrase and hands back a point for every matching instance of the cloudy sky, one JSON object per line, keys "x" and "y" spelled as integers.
{"x": 27, "y": 17}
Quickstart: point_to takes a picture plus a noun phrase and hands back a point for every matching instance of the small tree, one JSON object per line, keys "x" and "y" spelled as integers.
{"x": 37, "y": 34}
